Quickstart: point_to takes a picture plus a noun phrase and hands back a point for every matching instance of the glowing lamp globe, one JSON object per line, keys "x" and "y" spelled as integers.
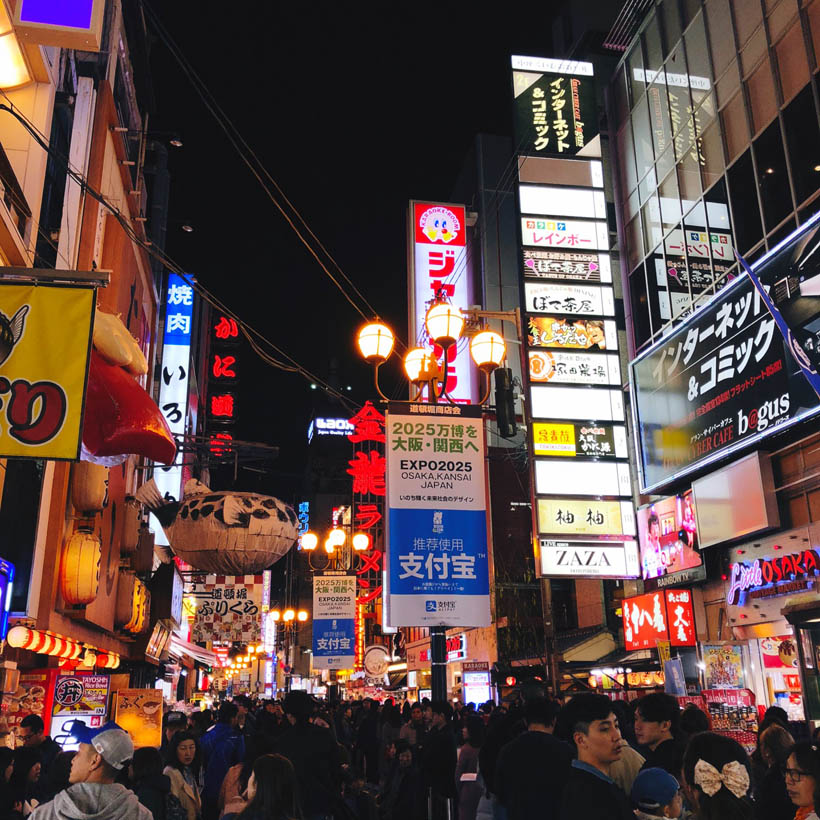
{"x": 361, "y": 541}
{"x": 275, "y": 614}
{"x": 289, "y": 615}
{"x": 415, "y": 364}
{"x": 488, "y": 350}
{"x": 336, "y": 536}
{"x": 309, "y": 541}
{"x": 330, "y": 547}
{"x": 444, "y": 324}
{"x": 302, "y": 616}
{"x": 375, "y": 342}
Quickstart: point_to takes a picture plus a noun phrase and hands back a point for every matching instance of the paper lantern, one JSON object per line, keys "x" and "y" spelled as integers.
{"x": 44, "y": 643}
{"x": 224, "y": 532}
{"x": 80, "y": 571}
{"x": 89, "y": 487}
{"x": 126, "y": 590}
{"x": 130, "y": 529}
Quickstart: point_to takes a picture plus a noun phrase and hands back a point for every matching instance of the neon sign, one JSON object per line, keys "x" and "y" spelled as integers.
{"x": 766, "y": 577}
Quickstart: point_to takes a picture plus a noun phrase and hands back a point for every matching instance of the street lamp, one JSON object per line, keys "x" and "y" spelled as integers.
{"x": 445, "y": 325}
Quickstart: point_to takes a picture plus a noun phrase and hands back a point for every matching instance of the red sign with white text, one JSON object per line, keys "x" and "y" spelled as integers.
{"x": 665, "y": 615}
{"x": 680, "y": 617}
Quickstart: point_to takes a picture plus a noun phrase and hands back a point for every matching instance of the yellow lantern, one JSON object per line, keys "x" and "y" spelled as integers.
{"x": 488, "y": 350}
{"x": 444, "y": 324}
{"x": 89, "y": 487}
{"x": 375, "y": 342}
{"x": 80, "y": 570}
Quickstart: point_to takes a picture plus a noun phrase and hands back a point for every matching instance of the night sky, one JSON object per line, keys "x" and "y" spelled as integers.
{"x": 353, "y": 116}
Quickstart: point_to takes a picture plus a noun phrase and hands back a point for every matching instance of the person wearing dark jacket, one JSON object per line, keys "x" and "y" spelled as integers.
{"x": 588, "y": 720}
{"x": 314, "y": 754}
{"x": 438, "y": 758}
{"x": 222, "y": 747}
{"x": 367, "y": 741}
{"x": 148, "y": 782}
{"x": 772, "y": 801}
{"x": 404, "y": 796}
{"x": 656, "y": 725}
{"x": 532, "y": 769}
{"x": 31, "y": 733}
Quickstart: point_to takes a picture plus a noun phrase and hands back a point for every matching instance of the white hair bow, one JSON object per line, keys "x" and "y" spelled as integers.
{"x": 733, "y": 775}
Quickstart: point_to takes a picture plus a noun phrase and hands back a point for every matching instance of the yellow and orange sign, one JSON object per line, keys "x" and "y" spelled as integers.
{"x": 139, "y": 712}
{"x": 45, "y": 339}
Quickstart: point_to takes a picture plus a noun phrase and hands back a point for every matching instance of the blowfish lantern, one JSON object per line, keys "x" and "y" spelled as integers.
{"x": 229, "y": 533}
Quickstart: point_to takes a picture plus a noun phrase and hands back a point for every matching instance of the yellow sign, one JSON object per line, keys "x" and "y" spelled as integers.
{"x": 139, "y": 712}
{"x": 567, "y": 516}
{"x": 664, "y": 651}
{"x": 553, "y": 439}
{"x": 45, "y": 338}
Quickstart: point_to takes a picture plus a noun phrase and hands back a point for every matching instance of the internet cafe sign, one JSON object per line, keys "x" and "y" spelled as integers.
{"x": 577, "y": 558}
{"x": 45, "y": 341}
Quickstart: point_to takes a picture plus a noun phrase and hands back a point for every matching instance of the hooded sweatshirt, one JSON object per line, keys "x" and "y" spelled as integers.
{"x": 93, "y": 801}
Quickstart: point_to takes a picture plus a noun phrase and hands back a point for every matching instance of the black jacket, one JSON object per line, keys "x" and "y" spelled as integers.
{"x": 315, "y": 756}
{"x": 591, "y": 796}
{"x": 667, "y": 755}
{"x": 771, "y": 798}
{"x": 530, "y": 775}
{"x": 152, "y": 792}
{"x": 438, "y": 761}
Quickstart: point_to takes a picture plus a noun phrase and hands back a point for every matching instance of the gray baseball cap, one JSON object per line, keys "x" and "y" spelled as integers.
{"x": 111, "y": 741}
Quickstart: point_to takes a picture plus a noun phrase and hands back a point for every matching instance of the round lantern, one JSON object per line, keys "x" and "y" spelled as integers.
{"x": 20, "y": 637}
{"x": 80, "y": 571}
{"x": 89, "y": 487}
{"x": 230, "y": 533}
{"x": 126, "y": 593}
{"x": 130, "y": 529}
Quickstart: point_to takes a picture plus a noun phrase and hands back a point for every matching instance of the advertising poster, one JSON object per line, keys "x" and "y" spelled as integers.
{"x": 724, "y": 666}
{"x": 569, "y": 265}
{"x": 45, "y": 339}
{"x": 438, "y": 572}
{"x": 78, "y": 697}
{"x": 719, "y": 382}
{"x": 552, "y": 297}
{"x": 229, "y": 607}
{"x": 34, "y": 696}
{"x": 334, "y": 617}
{"x": 555, "y": 113}
{"x": 567, "y": 334}
{"x": 779, "y": 652}
{"x": 573, "y": 368}
{"x": 579, "y": 439}
{"x": 439, "y": 261}
{"x": 573, "y": 517}
{"x": 667, "y": 532}
{"x": 139, "y": 712}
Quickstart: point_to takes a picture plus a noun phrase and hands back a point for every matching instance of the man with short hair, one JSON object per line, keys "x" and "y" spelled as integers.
{"x": 439, "y": 757}
{"x": 222, "y": 747}
{"x": 31, "y": 733}
{"x": 590, "y": 792}
{"x": 656, "y": 721}
{"x": 532, "y": 768}
{"x": 92, "y": 794}
{"x": 414, "y": 731}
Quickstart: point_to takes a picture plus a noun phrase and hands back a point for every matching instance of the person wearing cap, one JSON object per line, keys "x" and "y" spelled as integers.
{"x": 656, "y": 794}
{"x": 92, "y": 794}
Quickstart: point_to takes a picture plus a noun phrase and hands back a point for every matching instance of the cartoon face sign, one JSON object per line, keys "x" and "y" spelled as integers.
{"x": 439, "y": 224}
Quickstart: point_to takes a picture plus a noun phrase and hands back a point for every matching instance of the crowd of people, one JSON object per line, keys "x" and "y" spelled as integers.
{"x": 589, "y": 758}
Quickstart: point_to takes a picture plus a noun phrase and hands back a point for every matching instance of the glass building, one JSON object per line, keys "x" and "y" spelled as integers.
{"x": 714, "y": 112}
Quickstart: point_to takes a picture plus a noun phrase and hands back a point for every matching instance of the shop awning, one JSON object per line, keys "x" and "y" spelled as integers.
{"x": 182, "y": 649}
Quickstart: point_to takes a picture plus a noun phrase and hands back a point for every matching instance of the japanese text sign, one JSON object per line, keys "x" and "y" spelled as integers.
{"x": 723, "y": 379}
{"x": 439, "y": 266}
{"x": 555, "y": 114}
{"x": 577, "y": 558}
{"x": 573, "y": 517}
{"x": 228, "y": 607}
{"x": 579, "y": 266}
{"x": 334, "y": 614}
{"x": 139, "y": 712}
{"x": 45, "y": 339}
{"x": 437, "y": 522}
{"x": 81, "y": 694}
{"x": 659, "y": 616}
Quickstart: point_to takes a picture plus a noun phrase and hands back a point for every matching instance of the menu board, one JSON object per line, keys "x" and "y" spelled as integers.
{"x": 80, "y": 697}
{"x": 139, "y": 712}
{"x": 34, "y": 696}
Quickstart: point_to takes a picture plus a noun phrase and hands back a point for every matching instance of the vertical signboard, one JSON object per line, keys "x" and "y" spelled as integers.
{"x": 578, "y": 439}
{"x": 173, "y": 388}
{"x": 334, "y": 617}
{"x": 437, "y": 566}
{"x": 439, "y": 267}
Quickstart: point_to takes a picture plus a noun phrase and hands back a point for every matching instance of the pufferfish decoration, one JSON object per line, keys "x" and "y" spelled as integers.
{"x": 11, "y": 331}
{"x": 231, "y": 533}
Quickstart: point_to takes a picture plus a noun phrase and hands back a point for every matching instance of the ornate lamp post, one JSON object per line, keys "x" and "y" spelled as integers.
{"x": 445, "y": 324}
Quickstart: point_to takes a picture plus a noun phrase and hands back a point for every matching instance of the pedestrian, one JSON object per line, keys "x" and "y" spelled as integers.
{"x": 803, "y": 779}
{"x": 31, "y": 733}
{"x": 151, "y": 786}
{"x": 717, "y": 778}
{"x": 174, "y": 722}
{"x": 25, "y": 779}
{"x": 235, "y": 784}
{"x": 273, "y": 792}
{"x": 222, "y": 747}
{"x": 438, "y": 759}
{"x": 404, "y": 796}
{"x": 367, "y": 741}
{"x": 694, "y": 720}
{"x": 245, "y": 721}
{"x": 532, "y": 768}
{"x": 656, "y": 794}
{"x": 415, "y": 730}
{"x": 657, "y": 718}
{"x": 182, "y": 768}
{"x": 93, "y": 794}
{"x": 590, "y": 792}
{"x": 315, "y": 758}
{"x": 200, "y": 722}
{"x": 771, "y": 797}
{"x": 58, "y": 775}
{"x": 468, "y": 791}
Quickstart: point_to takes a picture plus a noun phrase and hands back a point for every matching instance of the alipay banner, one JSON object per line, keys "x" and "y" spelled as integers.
{"x": 437, "y": 557}
{"x": 334, "y": 615}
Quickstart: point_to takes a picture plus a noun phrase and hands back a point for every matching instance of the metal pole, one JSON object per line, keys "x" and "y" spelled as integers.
{"x": 438, "y": 662}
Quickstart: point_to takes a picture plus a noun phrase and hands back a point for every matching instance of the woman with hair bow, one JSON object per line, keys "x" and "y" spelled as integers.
{"x": 802, "y": 773}
{"x": 717, "y": 778}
